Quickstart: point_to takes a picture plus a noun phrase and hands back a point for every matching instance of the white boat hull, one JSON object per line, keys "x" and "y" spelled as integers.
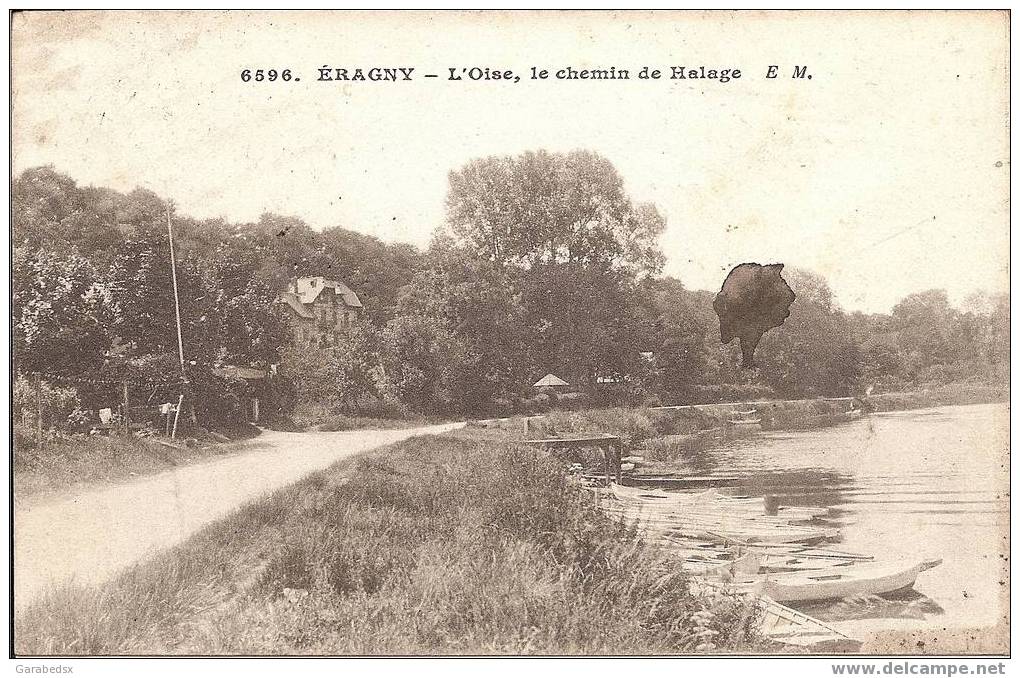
{"x": 846, "y": 582}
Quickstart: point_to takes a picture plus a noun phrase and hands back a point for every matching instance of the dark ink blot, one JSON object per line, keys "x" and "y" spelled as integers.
{"x": 753, "y": 300}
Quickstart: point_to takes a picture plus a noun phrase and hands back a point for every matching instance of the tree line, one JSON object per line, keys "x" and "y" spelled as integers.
{"x": 543, "y": 264}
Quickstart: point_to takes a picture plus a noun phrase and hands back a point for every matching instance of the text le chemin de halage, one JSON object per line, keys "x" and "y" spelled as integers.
{"x": 461, "y": 74}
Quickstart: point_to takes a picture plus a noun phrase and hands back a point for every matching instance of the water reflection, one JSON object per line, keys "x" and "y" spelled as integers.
{"x": 906, "y": 604}
{"x": 925, "y": 483}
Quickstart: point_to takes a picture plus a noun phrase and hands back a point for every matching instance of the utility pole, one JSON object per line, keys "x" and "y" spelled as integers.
{"x": 177, "y": 312}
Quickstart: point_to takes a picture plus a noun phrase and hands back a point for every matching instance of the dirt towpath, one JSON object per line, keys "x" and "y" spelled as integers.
{"x": 90, "y": 536}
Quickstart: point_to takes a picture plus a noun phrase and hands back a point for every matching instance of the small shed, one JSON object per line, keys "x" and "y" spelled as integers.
{"x": 255, "y": 381}
{"x": 550, "y": 381}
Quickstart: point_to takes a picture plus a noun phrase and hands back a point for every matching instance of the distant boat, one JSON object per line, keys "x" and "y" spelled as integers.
{"x": 744, "y": 418}
{"x": 724, "y": 528}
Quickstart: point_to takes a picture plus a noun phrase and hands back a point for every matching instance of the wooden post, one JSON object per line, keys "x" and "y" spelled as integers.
{"x": 127, "y": 411}
{"x": 177, "y": 301}
{"x": 177, "y": 313}
{"x": 177, "y": 416}
{"x": 618, "y": 460}
{"x": 38, "y": 411}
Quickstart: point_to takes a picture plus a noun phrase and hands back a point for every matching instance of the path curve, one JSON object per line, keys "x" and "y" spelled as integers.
{"x": 89, "y": 537}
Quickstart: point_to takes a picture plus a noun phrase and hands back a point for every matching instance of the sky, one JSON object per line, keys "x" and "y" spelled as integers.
{"x": 887, "y": 172}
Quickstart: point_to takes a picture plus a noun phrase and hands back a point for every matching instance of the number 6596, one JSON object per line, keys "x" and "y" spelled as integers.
{"x": 271, "y": 75}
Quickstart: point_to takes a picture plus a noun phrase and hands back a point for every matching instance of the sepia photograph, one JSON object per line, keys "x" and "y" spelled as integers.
{"x": 511, "y": 333}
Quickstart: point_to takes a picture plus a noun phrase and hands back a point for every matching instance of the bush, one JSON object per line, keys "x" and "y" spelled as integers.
{"x": 723, "y": 393}
{"x": 58, "y": 402}
{"x": 632, "y": 425}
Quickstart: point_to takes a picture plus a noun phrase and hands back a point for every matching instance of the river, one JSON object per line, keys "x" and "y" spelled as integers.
{"x": 932, "y": 483}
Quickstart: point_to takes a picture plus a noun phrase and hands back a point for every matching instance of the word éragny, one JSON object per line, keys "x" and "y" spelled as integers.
{"x": 327, "y": 73}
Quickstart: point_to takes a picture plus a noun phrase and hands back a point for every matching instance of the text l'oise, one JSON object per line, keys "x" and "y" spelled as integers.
{"x": 408, "y": 73}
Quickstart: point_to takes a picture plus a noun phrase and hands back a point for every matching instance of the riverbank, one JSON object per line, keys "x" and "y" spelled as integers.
{"x": 692, "y": 426}
{"x": 77, "y": 462}
{"x": 455, "y": 544}
{"x": 940, "y": 396}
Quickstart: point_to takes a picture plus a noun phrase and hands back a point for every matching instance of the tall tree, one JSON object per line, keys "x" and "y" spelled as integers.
{"x": 562, "y": 247}
{"x": 548, "y": 208}
{"x": 813, "y": 353}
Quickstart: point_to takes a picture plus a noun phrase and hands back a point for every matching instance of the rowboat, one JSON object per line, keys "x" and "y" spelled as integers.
{"x": 785, "y": 625}
{"x": 754, "y": 564}
{"x": 761, "y": 562}
{"x": 744, "y": 418}
{"x": 709, "y": 496}
{"x": 749, "y": 512}
{"x": 741, "y": 530}
{"x": 710, "y": 517}
{"x": 857, "y": 580}
{"x": 652, "y": 499}
{"x": 713, "y": 517}
{"x": 720, "y": 567}
{"x": 688, "y": 481}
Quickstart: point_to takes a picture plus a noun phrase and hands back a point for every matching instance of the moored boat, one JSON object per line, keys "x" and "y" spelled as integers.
{"x": 843, "y": 582}
{"x": 711, "y": 500}
{"x": 745, "y": 531}
{"x": 792, "y": 627}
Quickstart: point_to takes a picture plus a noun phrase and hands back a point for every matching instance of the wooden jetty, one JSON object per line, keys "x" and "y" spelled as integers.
{"x": 611, "y": 447}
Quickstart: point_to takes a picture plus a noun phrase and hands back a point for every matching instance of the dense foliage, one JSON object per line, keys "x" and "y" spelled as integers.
{"x": 544, "y": 264}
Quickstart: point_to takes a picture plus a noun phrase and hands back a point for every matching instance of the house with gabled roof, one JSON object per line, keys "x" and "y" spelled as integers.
{"x": 319, "y": 309}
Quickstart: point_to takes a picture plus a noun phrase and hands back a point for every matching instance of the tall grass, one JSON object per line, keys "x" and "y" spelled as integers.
{"x": 438, "y": 545}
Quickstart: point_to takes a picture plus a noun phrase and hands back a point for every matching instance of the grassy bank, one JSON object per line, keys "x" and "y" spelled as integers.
{"x": 939, "y": 396}
{"x": 70, "y": 463}
{"x": 662, "y": 435}
{"x": 444, "y": 544}
{"x": 669, "y": 434}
